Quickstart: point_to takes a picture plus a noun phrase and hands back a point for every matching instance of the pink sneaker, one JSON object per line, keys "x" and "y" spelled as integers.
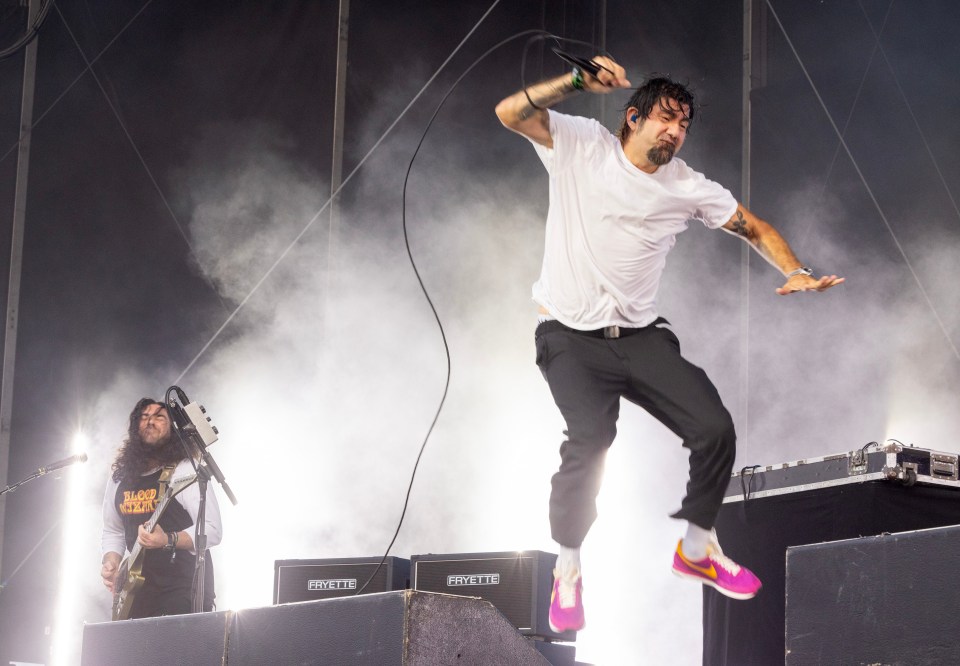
{"x": 566, "y": 604}
{"x": 719, "y": 572}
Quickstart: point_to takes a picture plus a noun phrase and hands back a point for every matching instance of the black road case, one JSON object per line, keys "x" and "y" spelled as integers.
{"x": 892, "y": 461}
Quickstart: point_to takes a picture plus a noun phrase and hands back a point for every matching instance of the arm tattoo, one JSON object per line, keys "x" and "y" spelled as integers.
{"x": 740, "y": 225}
{"x": 555, "y": 92}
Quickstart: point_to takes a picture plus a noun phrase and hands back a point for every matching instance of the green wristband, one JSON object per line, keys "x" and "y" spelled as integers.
{"x": 577, "y": 78}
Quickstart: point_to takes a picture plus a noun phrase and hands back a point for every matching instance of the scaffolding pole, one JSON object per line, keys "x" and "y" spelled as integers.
{"x": 16, "y": 261}
{"x": 336, "y": 169}
{"x": 744, "y": 375}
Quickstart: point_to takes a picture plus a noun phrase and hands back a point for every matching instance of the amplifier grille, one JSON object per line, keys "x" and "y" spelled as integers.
{"x": 505, "y": 582}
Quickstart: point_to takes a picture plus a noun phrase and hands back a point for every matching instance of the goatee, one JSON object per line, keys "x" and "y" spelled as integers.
{"x": 661, "y": 154}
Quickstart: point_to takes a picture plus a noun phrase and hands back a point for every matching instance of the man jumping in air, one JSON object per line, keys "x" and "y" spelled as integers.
{"x": 617, "y": 204}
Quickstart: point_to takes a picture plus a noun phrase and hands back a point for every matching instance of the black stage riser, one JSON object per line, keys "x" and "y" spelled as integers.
{"x": 392, "y": 628}
{"x": 758, "y": 532}
{"x": 886, "y": 600}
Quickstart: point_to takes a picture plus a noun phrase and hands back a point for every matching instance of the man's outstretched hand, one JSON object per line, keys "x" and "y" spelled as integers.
{"x": 808, "y": 283}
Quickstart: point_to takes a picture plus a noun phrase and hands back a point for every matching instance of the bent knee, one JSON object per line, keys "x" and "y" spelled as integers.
{"x": 717, "y": 430}
{"x": 597, "y": 436}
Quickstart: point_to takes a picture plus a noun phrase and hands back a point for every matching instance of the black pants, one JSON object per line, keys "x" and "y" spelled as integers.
{"x": 588, "y": 374}
{"x": 172, "y": 595}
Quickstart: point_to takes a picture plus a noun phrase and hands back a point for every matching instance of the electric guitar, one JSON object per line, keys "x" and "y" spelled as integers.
{"x": 129, "y": 576}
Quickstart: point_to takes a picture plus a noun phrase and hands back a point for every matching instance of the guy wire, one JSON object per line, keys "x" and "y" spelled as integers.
{"x": 866, "y": 186}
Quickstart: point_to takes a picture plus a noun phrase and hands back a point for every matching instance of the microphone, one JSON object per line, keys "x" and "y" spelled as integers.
{"x": 181, "y": 395}
{"x": 78, "y": 458}
{"x": 585, "y": 64}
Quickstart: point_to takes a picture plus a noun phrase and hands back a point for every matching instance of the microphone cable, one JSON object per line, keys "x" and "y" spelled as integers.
{"x": 536, "y": 35}
{"x": 31, "y": 32}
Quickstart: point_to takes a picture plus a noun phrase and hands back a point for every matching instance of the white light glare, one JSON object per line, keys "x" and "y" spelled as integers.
{"x": 64, "y": 649}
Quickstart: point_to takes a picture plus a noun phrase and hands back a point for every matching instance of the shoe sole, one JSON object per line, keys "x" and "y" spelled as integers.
{"x": 560, "y": 631}
{"x": 742, "y": 596}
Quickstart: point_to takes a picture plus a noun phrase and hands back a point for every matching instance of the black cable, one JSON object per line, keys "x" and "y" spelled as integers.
{"x": 747, "y": 488}
{"x": 30, "y": 34}
{"x": 543, "y": 36}
{"x": 859, "y": 457}
{"x": 177, "y": 419}
{"x": 537, "y": 35}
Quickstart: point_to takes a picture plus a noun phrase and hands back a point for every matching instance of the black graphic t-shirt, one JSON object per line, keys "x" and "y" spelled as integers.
{"x": 136, "y": 500}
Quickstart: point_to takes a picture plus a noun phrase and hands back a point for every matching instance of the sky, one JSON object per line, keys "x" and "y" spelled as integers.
{"x": 178, "y": 232}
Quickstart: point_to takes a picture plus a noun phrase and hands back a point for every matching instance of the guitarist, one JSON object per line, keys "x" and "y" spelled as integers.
{"x": 132, "y": 494}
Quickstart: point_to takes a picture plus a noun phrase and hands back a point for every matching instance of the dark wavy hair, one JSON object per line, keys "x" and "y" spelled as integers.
{"x": 656, "y": 91}
{"x": 134, "y": 457}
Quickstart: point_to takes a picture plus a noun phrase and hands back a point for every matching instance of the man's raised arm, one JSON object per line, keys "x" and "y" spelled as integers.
{"x": 525, "y": 112}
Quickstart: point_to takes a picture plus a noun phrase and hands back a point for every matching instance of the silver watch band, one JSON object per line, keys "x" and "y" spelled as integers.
{"x": 803, "y": 270}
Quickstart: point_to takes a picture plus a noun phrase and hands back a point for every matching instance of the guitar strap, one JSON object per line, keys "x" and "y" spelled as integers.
{"x": 165, "y": 478}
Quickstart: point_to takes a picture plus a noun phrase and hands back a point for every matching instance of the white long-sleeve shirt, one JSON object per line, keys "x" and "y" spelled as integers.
{"x": 112, "y": 537}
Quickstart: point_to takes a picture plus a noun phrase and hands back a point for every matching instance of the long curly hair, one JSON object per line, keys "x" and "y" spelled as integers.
{"x": 134, "y": 457}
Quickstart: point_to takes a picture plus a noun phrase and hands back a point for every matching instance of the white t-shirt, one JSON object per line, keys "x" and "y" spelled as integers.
{"x": 610, "y": 226}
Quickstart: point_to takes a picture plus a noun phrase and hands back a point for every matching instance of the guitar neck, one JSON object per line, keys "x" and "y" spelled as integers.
{"x": 154, "y": 519}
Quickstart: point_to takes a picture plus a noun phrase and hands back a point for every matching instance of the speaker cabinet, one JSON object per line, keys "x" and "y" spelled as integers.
{"x": 518, "y": 584}
{"x": 312, "y": 580}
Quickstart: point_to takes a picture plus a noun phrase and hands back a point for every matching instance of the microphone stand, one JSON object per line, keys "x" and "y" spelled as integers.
{"x": 206, "y": 468}
{"x": 40, "y": 472}
{"x": 200, "y": 541}
{"x": 9, "y": 489}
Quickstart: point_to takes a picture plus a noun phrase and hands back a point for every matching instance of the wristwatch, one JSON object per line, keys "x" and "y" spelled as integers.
{"x": 803, "y": 270}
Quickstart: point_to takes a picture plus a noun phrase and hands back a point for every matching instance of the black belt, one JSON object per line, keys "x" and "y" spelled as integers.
{"x": 608, "y": 332}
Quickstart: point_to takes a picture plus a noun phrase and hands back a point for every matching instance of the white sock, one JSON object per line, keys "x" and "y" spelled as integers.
{"x": 695, "y": 542}
{"x": 568, "y": 562}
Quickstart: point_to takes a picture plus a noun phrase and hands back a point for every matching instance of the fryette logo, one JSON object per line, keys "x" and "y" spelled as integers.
{"x": 332, "y": 584}
{"x": 473, "y": 579}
